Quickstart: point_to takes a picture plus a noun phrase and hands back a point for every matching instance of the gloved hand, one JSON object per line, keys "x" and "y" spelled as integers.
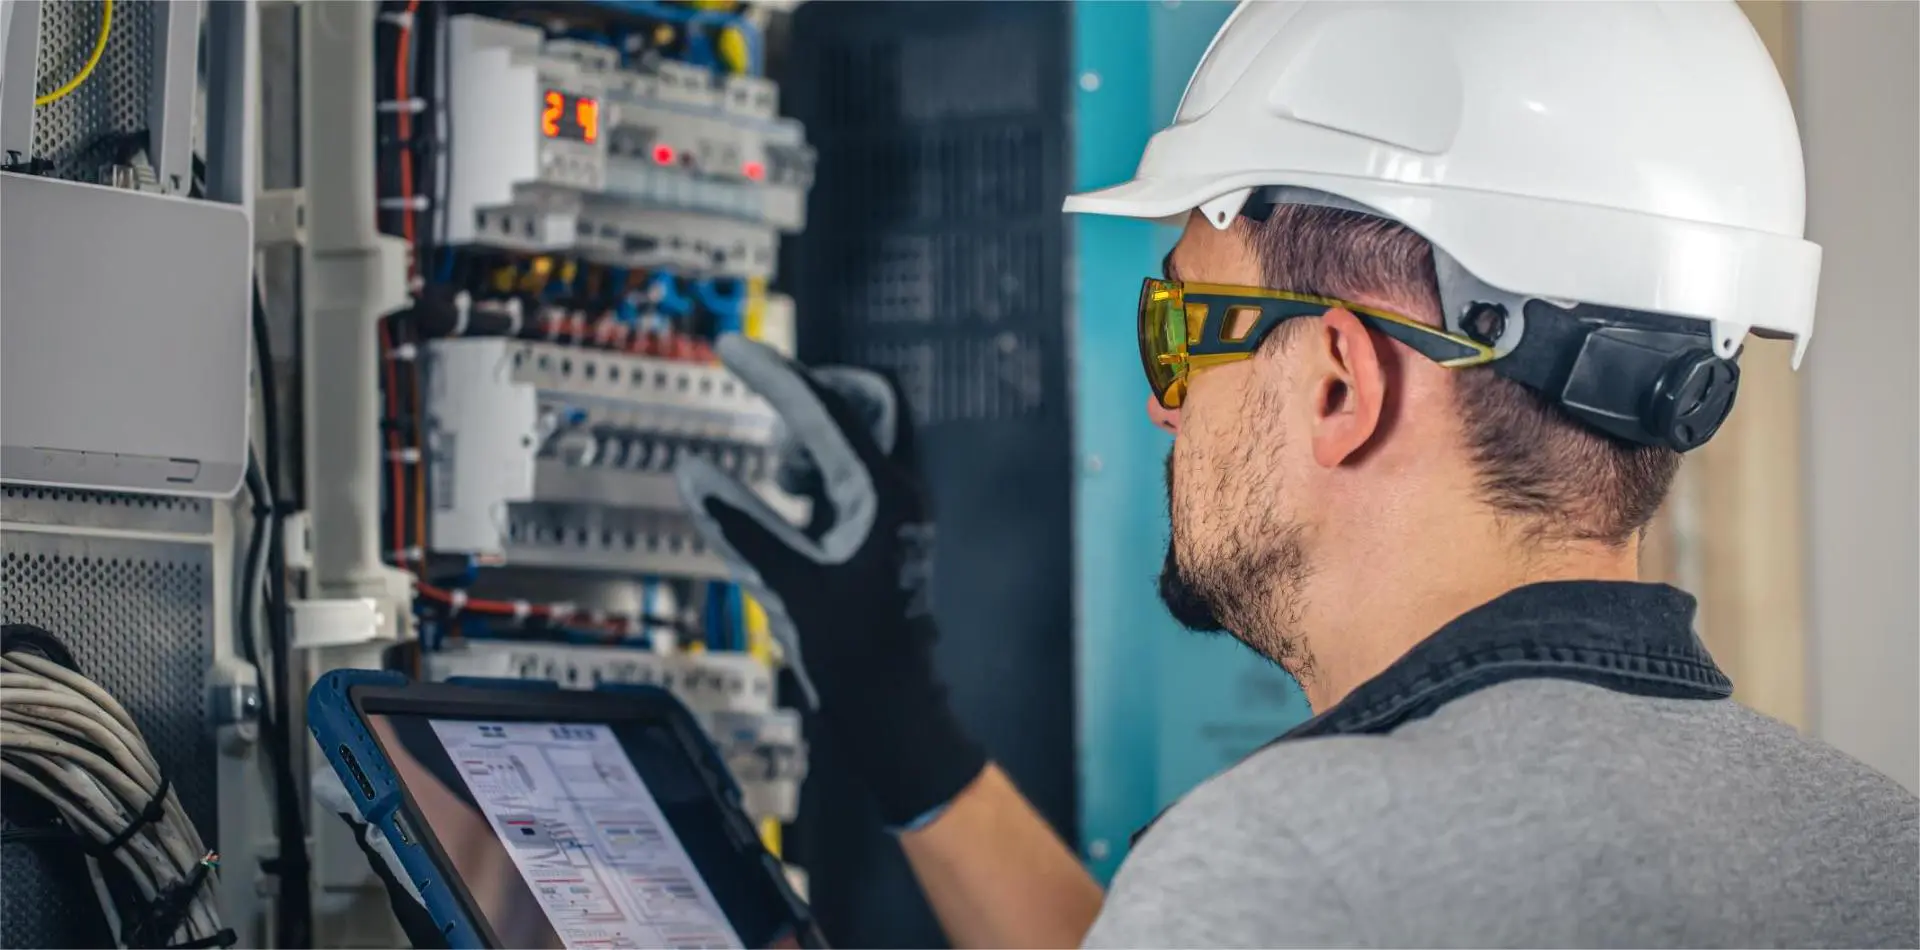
{"x": 847, "y": 595}
{"x": 402, "y": 896}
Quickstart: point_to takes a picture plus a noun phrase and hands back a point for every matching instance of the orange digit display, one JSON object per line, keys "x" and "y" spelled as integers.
{"x": 586, "y": 113}
{"x": 570, "y": 117}
{"x": 550, "y": 119}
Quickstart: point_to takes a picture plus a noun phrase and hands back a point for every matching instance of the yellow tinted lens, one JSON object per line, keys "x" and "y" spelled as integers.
{"x": 1163, "y": 338}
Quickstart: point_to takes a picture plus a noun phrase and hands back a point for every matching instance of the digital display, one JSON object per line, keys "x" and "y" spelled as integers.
{"x": 562, "y": 838}
{"x": 564, "y": 115}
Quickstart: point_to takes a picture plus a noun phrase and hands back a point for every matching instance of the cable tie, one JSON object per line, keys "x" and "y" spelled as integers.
{"x": 462, "y": 313}
{"x": 399, "y": 18}
{"x": 411, "y": 106}
{"x": 456, "y": 600}
{"x": 415, "y": 203}
{"x": 152, "y": 814}
{"x": 167, "y": 911}
{"x": 520, "y": 611}
{"x": 560, "y": 611}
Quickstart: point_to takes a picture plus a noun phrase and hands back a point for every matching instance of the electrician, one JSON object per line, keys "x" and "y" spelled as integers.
{"x": 1457, "y": 287}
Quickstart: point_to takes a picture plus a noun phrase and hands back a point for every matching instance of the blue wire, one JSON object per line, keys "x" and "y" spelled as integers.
{"x": 737, "y": 613}
{"x": 730, "y": 310}
{"x": 660, "y": 11}
{"x": 725, "y": 618}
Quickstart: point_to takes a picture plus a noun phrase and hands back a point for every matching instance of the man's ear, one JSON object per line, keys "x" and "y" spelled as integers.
{"x": 1348, "y": 387}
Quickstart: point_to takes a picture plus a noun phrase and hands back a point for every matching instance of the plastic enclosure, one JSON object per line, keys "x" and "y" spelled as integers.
{"x": 123, "y": 338}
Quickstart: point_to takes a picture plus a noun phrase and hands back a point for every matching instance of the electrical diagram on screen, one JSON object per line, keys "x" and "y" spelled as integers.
{"x": 586, "y": 834}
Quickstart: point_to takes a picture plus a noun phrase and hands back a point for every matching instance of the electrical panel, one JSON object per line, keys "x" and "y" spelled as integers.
{"x": 561, "y": 456}
{"x": 561, "y": 149}
{"x": 591, "y": 195}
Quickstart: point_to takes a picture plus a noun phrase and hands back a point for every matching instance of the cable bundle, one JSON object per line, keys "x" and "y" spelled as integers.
{"x": 68, "y": 741}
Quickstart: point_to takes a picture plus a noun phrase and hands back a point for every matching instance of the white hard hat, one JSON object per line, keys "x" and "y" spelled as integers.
{"x": 1631, "y": 155}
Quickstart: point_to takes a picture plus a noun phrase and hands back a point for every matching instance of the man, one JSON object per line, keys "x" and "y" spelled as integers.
{"x": 1457, "y": 286}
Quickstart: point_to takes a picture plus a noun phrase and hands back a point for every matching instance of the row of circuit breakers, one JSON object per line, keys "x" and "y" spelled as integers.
{"x": 556, "y": 452}
{"x": 552, "y": 447}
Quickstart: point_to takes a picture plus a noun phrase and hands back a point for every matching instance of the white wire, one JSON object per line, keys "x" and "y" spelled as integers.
{"x": 133, "y": 799}
{"x": 79, "y": 820}
{"x": 104, "y": 817}
{"x": 81, "y": 684}
{"x": 82, "y": 822}
{"x": 42, "y": 706}
{"x": 32, "y": 688}
{"x": 163, "y": 862}
{"x": 91, "y": 730}
{"x": 106, "y": 902}
{"x": 48, "y": 707}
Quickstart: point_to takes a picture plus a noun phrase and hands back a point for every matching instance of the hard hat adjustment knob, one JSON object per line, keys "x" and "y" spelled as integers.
{"x": 1485, "y": 322}
{"x": 1692, "y": 399}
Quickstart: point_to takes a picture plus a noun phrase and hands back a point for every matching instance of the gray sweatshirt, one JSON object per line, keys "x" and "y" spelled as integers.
{"x": 1534, "y": 813}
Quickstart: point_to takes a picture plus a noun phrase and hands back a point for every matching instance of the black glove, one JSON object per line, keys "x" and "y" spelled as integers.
{"x": 847, "y": 595}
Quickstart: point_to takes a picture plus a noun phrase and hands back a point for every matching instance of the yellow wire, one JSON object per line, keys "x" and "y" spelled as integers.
{"x": 770, "y": 835}
{"x": 99, "y": 49}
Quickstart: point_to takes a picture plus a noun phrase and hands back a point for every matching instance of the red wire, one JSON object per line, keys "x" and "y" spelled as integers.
{"x": 421, "y": 587}
{"x": 405, "y": 122}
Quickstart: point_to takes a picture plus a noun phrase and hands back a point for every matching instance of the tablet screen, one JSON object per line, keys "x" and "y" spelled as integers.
{"x": 560, "y": 838}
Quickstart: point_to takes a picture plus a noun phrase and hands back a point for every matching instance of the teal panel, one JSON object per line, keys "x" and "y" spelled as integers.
{"x": 1160, "y": 709}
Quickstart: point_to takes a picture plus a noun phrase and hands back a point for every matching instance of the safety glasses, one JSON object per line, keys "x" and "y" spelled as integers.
{"x": 1187, "y": 326}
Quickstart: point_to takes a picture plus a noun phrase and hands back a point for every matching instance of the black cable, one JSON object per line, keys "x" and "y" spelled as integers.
{"x": 263, "y": 507}
{"x": 290, "y": 863}
{"x": 424, "y": 143}
{"x": 443, "y": 131}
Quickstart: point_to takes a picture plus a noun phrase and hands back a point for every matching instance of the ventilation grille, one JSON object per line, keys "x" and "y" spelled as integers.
{"x": 75, "y": 132}
{"x": 137, "y": 616}
{"x": 95, "y": 509}
{"x": 935, "y": 249}
{"x": 965, "y": 380}
{"x": 928, "y": 79}
{"x": 951, "y": 279}
{"x": 937, "y": 177}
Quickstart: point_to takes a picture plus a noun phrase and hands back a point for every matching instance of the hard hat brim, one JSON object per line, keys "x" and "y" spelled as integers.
{"x": 1739, "y": 279}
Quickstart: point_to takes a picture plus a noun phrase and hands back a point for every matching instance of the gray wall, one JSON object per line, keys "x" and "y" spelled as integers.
{"x": 1859, "y": 108}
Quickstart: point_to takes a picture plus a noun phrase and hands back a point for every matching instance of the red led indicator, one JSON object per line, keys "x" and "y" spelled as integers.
{"x": 754, "y": 171}
{"x": 663, "y": 154}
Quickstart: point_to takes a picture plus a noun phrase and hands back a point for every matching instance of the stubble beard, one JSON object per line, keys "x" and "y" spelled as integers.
{"x": 1247, "y": 584}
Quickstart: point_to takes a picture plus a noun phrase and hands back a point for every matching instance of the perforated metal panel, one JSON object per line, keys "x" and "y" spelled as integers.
{"x": 93, "y": 509}
{"x": 936, "y": 250}
{"x": 113, "y": 101}
{"x": 137, "y": 615}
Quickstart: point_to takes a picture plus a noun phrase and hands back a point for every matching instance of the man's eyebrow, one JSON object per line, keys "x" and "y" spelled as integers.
{"x": 1166, "y": 267}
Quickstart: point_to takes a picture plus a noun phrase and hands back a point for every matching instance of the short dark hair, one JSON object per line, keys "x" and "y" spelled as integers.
{"x": 1567, "y": 481}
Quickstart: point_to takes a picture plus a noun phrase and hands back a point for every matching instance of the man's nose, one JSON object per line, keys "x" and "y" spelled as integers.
{"x": 1168, "y": 419}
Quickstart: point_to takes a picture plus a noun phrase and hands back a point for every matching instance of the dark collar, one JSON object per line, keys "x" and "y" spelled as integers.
{"x": 1627, "y": 637}
{"x": 1630, "y": 638}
